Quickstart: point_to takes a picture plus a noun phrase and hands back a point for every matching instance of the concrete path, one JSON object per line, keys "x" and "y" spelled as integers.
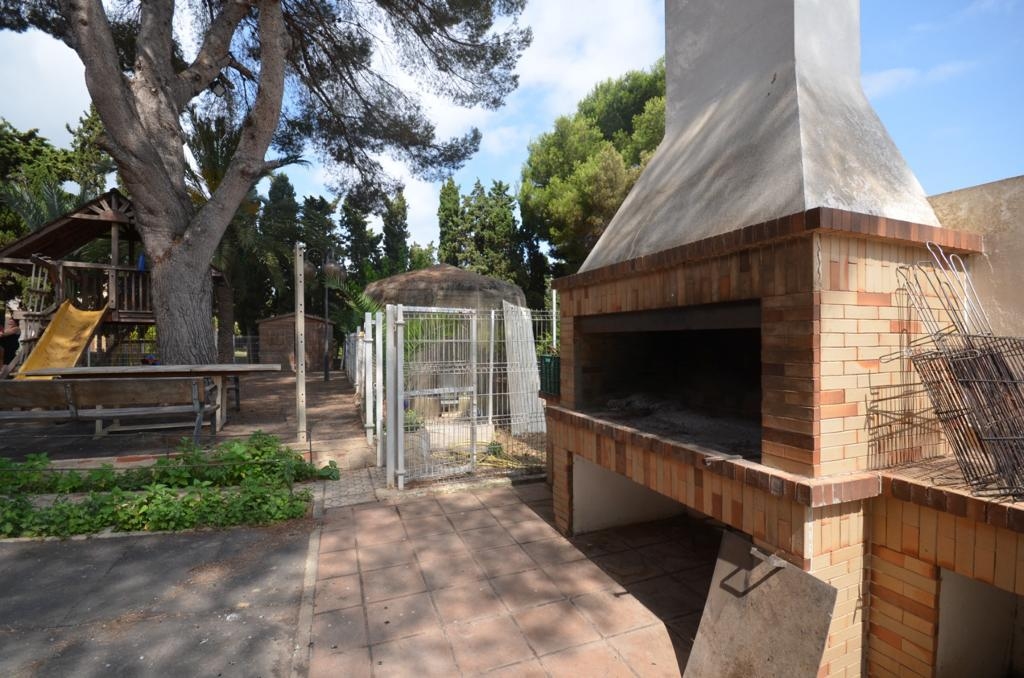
{"x": 222, "y": 603}
{"x": 479, "y": 582}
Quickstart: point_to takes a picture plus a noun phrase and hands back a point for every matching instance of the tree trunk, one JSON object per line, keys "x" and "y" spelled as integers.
{"x": 225, "y": 297}
{"x": 182, "y": 299}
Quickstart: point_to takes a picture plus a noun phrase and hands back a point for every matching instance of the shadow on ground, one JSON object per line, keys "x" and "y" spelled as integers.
{"x": 217, "y": 603}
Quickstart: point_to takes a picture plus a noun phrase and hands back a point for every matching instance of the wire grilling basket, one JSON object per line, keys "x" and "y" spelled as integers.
{"x": 975, "y": 380}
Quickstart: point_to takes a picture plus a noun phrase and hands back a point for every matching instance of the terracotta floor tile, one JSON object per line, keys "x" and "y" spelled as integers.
{"x": 450, "y": 571}
{"x": 596, "y": 659}
{"x": 500, "y": 496}
{"x": 393, "y": 582}
{"x": 428, "y": 525}
{"x": 400, "y": 617}
{"x": 487, "y": 643}
{"x": 467, "y": 602}
{"x": 419, "y": 509}
{"x": 339, "y": 630}
{"x": 645, "y": 534}
{"x": 545, "y": 510}
{"x": 427, "y": 654}
{"x": 667, "y": 597}
{"x": 472, "y": 520}
{"x": 578, "y": 577}
{"x": 338, "y": 593}
{"x": 338, "y": 519}
{"x": 599, "y": 543}
{"x": 439, "y": 546}
{"x": 528, "y": 669}
{"x": 511, "y": 514}
{"x": 533, "y": 491}
{"x": 628, "y": 567}
{"x": 376, "y": 516}
{"x": 336, "y": 564}
{"x": 459, "y": 502}
{"x": 504, "y": 560}
{"x": 532, "y": 530}
{"x": 650, "y": 652}
{"x": 487, "y": 538}
{"x": 525, "y": 589}
{"x": 385, "y": 534}
{"x": 351, "y": 664}
{"x": 552, "y": 551}
{"x": 340, "y": 539}
{"x": 615, "y": 611}
{"x": 386, "y": 555}
{"x": 554, "y": 627}
{"x": 675, "y": 556}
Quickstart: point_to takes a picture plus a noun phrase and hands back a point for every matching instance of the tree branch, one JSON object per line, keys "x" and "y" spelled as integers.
{"x": 214, "y": 55}
{"x": 155, "y": 44}
{"x": 108, "y": 88}
{"x": 258, "y": 129}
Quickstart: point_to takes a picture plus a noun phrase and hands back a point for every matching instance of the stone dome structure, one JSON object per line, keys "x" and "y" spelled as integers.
{"x": 446, "y": 286}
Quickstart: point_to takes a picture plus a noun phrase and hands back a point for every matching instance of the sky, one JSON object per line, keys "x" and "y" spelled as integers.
{"x": 945, "y": 76}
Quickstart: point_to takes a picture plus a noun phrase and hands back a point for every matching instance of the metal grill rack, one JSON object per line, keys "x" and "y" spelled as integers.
{"x": 974, "y": 379}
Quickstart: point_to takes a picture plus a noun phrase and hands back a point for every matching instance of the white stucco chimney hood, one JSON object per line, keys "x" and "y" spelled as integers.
{"x": 765, "y": 117}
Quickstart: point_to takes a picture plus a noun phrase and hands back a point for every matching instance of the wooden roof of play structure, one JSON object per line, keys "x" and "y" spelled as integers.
{"x": 445, "y": 285}
{"x": 69, "y": 232}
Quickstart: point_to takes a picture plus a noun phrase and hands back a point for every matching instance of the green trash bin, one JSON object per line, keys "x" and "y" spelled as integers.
{"x": 550, "y": 374}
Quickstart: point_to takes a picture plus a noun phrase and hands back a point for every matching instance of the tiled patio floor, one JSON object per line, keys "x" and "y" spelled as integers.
{"x": 479, "y": 582}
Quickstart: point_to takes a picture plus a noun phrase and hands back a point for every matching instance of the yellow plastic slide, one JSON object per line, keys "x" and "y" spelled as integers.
{"x": 63, "y": 341}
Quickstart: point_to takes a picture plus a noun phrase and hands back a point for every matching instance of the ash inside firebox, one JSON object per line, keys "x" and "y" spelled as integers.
{"x": 668, "y": 418}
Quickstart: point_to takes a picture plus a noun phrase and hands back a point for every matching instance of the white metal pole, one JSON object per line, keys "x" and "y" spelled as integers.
{"x": 393, "y": 418}
{"x": 400, "y": 396}
{"x": 378, "y": 385}
{"x": 300, "y": 340}
{"x": 473, "y": 375}
{"x": 554, "y": 320}
{"x": 368, "y": 378}
{"x": 490, "y": 376}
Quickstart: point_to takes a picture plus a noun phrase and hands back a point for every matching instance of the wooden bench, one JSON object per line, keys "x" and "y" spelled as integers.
{"x": 110, "y": 399}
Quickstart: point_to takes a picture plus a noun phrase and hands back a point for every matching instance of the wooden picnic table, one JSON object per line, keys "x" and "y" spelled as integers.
{"x": 217, "y": 372}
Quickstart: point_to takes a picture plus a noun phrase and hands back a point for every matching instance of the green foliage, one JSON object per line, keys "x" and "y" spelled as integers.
{"x": 239, "y": 482}
{"x": 360, "y": 245}
{"x": 480, "y": 233}
{"x": 453, "y": 235}
{"x": 577, "y": 175}
{"x": 422, "y": 256}
{"x": 413, "y": 420}
{"x": 396, "y": 236}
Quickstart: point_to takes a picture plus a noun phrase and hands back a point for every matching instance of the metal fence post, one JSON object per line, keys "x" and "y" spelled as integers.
{"x": 554, "y": 320}
{"x": 399, "y": 397}
{"x": 392, "y": 416}
{"x": 368, "y": 378}
{"x": 300, "y": 340}
{"x": 490, "y": 376}
{"x": 472, "y": 407}
{"x": 378, "y": 385}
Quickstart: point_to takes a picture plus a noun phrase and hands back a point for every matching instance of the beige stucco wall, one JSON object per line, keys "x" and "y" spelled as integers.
{"x": 997, "y": 211}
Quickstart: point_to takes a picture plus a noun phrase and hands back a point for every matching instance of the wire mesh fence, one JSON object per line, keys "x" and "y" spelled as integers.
{"x": 464, "y": 384}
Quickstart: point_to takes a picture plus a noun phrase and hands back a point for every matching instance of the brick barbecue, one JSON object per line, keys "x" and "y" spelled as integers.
{"x": 779, "y": 327}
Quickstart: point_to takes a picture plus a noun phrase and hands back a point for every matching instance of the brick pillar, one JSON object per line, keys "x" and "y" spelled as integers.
{"x": 903, "y": 615}
{"x": 561, "y": 488}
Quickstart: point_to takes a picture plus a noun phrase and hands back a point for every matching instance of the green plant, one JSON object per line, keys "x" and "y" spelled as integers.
{"x": 413, "y": 420}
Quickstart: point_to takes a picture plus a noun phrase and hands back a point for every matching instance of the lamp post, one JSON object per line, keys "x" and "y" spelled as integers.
{"x": 331, "y": 272}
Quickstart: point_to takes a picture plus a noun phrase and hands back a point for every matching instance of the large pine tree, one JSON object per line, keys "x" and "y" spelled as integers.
{"x": 310, "y": 79}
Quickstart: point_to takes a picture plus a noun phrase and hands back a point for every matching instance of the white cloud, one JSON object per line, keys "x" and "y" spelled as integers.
{"x": 883, "y": 83}
{"x": 45, "y": 84}
{"x": 578, "y": 43}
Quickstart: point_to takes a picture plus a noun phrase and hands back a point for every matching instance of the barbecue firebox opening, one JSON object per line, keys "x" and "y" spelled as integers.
{"x": 689, "y": 374}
